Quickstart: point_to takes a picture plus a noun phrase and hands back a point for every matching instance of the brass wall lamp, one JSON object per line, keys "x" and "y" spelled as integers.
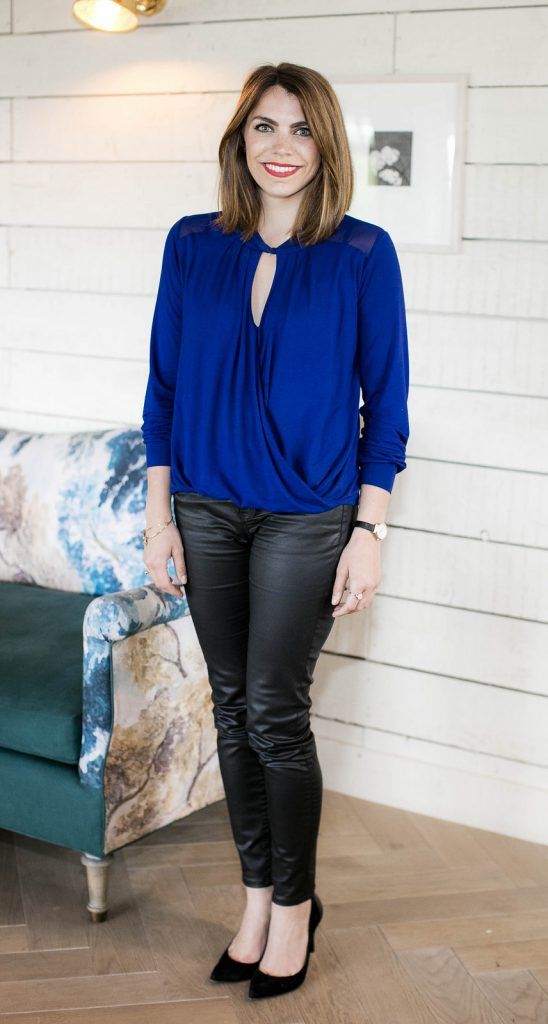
{"x": 114, "y": 15}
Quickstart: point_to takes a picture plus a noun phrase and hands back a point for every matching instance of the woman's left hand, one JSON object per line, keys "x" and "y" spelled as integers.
{"x": 359, "y": 567}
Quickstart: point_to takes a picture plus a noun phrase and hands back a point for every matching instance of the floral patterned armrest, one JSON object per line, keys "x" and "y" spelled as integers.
{"x": 148, "y": 736}
{"x": 110, "y": 618}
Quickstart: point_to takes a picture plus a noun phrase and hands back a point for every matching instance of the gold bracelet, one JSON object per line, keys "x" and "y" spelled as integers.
{"x": 162, "y": 526}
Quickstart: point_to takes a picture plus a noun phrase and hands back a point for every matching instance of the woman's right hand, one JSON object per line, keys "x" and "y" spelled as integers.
{"x": 159, "y": 549}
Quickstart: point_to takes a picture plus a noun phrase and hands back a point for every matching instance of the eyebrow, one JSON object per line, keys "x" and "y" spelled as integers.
{"x": 271, "y": 121}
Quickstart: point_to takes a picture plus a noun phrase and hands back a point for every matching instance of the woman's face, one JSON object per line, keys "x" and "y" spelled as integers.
{"x": 281, "y": 154}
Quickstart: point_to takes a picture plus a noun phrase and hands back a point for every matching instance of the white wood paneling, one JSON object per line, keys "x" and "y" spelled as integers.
{"x": 122, "y": 128}
{"x": 4, "y": 257}
{"x": 188, "y": 58}
{"x": 5, "y": 15}
{"x": 56, "y": 15}
{"x": 87, "y": 260}
{"x": 501, "y": 126}
{"x": 448, "y": 641}
{"x": 495, "y": 46}
{"x": 44, "y": 383}
{"x": 435, "y": 708}
{"x": 491, "y": 505}
{"x": 479, "y": 429}
{"x": 504, "y": 579}
{"x": 444, "y": 782}
{"x": 491, "y": 278}
{"x": 6, "y": 361}
{"x": 502, "y": 202}
{"x": 504, "y": 355}
{"x": 5, "y": 130}
{"x": 506, "y": 202}
{"x": 105, "y": 195}
{"x": 516, "y": 438}
{"x": 78, "y": 323}
{"x": 30, "y": 421}
{"x": 505, "y": 125}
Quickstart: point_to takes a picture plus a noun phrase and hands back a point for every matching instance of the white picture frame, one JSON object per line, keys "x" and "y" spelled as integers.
{"x": 407, "y": 137}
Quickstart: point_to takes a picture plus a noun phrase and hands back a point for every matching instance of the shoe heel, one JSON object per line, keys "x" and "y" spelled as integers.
{"x": 262, "y": 985}
{"x": 315, "y": 918}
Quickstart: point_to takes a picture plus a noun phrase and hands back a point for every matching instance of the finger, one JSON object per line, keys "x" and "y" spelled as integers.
{"x": 163, "y": 580}
{"x": 345, "y": 606}
{"x": 367, "y": 598}
{"x": 339, "y": 584}
{"x": 353, "y": 603}
{"x": 180, "y": 567}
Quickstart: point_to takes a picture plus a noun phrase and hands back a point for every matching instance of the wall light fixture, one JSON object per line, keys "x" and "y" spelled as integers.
{"x": 114, "y": 15}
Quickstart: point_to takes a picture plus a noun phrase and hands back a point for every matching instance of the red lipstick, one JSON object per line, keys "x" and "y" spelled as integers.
{"x": 288, "y": 169}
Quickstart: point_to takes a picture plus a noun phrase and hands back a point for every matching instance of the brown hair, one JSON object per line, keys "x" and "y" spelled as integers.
{"x": 328, "y": 195}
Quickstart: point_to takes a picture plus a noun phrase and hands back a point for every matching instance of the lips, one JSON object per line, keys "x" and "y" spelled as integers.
{"x": 286, "y": 170}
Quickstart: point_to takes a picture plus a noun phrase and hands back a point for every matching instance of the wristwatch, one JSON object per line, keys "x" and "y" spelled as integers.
{"x": 379, "y": 529}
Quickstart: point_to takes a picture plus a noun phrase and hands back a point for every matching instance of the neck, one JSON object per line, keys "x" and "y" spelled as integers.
{"x": 277, "y": 218}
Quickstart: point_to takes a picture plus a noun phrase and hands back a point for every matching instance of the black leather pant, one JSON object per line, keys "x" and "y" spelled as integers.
{"x": 259, "y": 594}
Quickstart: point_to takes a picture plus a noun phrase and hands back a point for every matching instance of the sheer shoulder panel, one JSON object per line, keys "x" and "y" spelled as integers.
{"x": 359, "y": 233}
{"x": 194, "y": 223}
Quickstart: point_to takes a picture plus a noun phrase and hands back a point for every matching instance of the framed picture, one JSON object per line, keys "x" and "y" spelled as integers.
{"x": 406, "y": 135}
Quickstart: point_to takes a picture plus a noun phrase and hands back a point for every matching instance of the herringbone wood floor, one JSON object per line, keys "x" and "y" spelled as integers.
{"x": 425, "y": 921}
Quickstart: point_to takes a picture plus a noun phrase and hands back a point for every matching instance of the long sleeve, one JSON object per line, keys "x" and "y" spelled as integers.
{"x": 384, "y": 366}
{"x": 164, "y": 354}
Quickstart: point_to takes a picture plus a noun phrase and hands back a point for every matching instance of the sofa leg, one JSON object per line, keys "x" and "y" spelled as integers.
{"x": 97, "y": 878}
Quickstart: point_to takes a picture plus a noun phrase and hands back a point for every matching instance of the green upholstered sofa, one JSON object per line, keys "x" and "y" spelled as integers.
{"x": 106, "y": 730}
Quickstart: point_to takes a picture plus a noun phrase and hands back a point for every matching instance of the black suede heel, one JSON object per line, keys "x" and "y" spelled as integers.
{"x": 228, "y": 969}
{"x": 262, "y": 984}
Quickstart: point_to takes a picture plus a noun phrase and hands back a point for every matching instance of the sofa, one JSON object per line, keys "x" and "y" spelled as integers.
{"x": 106, "y": 725}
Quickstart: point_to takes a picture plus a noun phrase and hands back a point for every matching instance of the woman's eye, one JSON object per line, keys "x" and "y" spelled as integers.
{"x": 264, "y": 125}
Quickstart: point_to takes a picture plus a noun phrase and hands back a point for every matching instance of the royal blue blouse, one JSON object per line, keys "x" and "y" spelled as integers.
{"x": 268, "y": 416}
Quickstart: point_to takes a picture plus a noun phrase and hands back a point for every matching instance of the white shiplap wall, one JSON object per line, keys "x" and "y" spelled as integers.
{"x": 435, "y": 699}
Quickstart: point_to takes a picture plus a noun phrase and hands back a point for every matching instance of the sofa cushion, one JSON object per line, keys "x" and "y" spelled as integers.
{"x": 41, "y": 651}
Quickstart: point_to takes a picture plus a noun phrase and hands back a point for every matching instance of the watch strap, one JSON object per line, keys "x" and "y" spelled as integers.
{"x": 372, "y": 527}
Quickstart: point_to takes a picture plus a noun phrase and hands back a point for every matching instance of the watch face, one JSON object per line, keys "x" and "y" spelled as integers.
{"x": 381, "y": 530}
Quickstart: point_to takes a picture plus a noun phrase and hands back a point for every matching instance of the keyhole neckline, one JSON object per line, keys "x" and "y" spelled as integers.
{"x": 258, "y": 241}
{"x": 270, "y": 290}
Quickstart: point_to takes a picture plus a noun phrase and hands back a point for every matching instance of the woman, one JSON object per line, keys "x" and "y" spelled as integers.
{"x": 269, "y": 317}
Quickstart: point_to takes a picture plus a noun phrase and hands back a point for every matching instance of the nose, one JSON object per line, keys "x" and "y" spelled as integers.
{"x": 285, "y": 153}
{"x": 282, "y": 146}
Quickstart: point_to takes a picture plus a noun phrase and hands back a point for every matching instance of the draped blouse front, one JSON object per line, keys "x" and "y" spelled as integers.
{"x": 268, "y": 416}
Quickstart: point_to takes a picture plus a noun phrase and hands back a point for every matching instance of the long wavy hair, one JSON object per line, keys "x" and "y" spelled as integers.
{"x": 329, "y": 194}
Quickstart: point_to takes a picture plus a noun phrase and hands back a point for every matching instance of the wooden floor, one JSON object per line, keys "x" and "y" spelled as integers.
{"x": 425, "y": 921}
